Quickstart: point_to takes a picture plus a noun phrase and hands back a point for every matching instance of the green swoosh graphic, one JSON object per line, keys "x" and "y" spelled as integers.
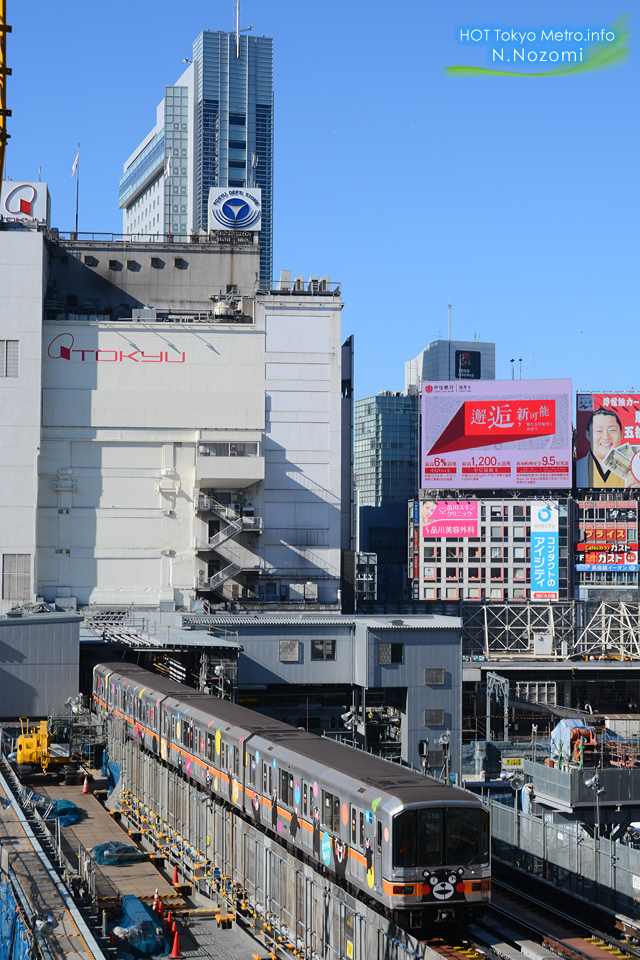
{"x": 598, "y": 56}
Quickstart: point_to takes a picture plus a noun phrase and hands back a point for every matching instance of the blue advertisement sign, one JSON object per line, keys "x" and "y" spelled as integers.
{"x": 544, "y": 550}
{"x": 416, "y": 512}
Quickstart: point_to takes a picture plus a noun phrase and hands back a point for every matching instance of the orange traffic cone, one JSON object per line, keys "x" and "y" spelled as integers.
{"x": 155, "y": 901}
{"x": 176, "y": 947}
{"x": 85, "y": 788}
{"x": 174, "y": 927}
{"x": 161, "y": 910}
{"x": 111, "y": 937}
{"x": 169, "y": 920}
{"x": 175, "y": 874}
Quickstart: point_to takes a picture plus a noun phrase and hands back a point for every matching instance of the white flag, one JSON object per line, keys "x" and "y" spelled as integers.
{"x": 75, "y": 163}
{"x": 166, "y": 169}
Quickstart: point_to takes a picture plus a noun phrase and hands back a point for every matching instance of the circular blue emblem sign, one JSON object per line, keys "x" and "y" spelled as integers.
{"x": 325, "y": 848}
{"x": 234, "y": 210}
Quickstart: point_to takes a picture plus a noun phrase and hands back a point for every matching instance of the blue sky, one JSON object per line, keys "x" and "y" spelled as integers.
{"x": 516, "y": 198}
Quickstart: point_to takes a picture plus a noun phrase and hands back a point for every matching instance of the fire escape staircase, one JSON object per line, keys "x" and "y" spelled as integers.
{"x": 239, "y": 558}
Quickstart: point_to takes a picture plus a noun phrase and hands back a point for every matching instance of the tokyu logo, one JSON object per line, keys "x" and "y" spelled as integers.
{"x": 62, "y": 348}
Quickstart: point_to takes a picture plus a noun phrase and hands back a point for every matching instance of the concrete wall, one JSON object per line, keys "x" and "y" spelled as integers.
{"x": 206, "y": 268}
{"x": 39, "y": 657}
{"x": 23, "y": 259}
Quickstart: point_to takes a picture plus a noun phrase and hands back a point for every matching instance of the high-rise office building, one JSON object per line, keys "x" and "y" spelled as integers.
{"x": 386, "y": 456}
{"x": 214, "y": 128}
{"x": 386, "y": 468}
{"x": 451, "y": 360}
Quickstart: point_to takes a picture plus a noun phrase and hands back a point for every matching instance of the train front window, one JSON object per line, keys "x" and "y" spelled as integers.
{"x": 417, "y": 838}
{"x": 467, "y": 835}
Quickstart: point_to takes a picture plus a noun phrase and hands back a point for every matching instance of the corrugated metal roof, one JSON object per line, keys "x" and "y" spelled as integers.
{"x": 409, "y": 622}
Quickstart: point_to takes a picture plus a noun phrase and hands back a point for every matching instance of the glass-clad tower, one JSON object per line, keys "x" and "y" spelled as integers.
{"x": 214, "y": 128}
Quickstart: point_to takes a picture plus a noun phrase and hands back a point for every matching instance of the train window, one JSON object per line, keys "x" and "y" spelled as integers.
{"x": 173, "y": 728}
{"x": 286, "y": 788}
{"x": 236, "y": 760}
{"x": 354, "y": 826}
{"x": 210, "y": 747}
{"x": 467, "y": 835}
{"x": 252, "y": 770}
{"x": 362, "y": 829}
{"x": 151, "y": 716}
{"x": 305, "y": 799}
{"x": 265, "y": 783}
{"x": 191, "y": 735}
{"x": 417, "y": 838}
{"x": 379, "y": 836}
{"x": 331, "y": 811}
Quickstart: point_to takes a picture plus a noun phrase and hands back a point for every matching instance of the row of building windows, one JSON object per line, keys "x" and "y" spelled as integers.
{"x": 324, "y": 648}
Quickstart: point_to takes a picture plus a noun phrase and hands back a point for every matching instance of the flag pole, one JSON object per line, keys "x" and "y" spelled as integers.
{"x": 77, "y": 189}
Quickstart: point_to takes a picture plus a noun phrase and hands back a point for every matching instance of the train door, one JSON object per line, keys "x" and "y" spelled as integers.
{"x": 378, "y": 852}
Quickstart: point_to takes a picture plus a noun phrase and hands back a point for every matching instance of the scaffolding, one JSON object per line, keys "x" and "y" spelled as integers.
{"x": 579, "y": 629}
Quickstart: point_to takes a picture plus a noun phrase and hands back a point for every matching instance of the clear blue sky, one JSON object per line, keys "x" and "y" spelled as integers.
{"x": 517, "y": 198}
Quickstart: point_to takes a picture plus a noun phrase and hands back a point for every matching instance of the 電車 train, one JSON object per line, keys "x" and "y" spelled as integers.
{"x": 417, "y": 847}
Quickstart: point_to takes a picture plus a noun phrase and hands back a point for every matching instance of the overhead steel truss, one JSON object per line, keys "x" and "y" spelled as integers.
{"x": 578, "y": 628}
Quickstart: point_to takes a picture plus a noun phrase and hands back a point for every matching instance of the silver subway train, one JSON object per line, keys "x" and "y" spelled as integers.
{"x": 416, "y": 847}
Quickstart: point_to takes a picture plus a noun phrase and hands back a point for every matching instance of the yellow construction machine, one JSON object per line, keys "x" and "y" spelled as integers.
{"x": 44, "y": 744}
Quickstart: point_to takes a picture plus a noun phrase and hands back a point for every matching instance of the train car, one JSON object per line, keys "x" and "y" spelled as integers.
{"x": 418, "y": 848}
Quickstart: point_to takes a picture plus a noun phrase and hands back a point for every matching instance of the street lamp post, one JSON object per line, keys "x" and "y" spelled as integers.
{"x": 594, "y": 783}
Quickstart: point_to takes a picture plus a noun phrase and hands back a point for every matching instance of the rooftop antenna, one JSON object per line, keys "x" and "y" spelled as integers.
{"x": 254, "y": 167}
{"x": 5, "y": 72}
{"x": 449, "y": 328}
{"x": 238, "y": 30}
{"x": 512, "y": 361}
{"x": 520, "y": 362}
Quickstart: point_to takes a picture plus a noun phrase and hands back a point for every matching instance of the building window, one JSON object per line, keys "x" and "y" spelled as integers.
{"x": 323, "y": 649}
{"x": 389, "y": 653}
{"x": 429, "y": 593}
{"x": 451, "y": 573}
{"x": 496, "y": 533}
{"x": 434, "y": 676}
{"x": 518, "y": 573}
{"x": 228, "y": 450}
{"x": 496, "y": 573}
{"x": 16, "y": 576}
{"x": 289, "y": 651}
{"x": 474, "y": 573}
{"x": 9, "y": 358}
{"x": 434, "y": 718}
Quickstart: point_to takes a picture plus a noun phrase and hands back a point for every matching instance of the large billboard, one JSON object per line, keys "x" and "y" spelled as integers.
{"x": 611, "y": 543}
{"x": 608, "y": 440}
{"x": 496, "y": 434}
{"x": 544, "y": 550}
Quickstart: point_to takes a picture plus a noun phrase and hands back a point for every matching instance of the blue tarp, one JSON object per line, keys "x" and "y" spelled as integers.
{"x": 14, "y": 941}
{"x": 111, "y": 770}
{"x": 139, "y": 929}
{"x": 65, "y": 811}
{"x": 115, "y": 854}
{"x": 562, "y": 732}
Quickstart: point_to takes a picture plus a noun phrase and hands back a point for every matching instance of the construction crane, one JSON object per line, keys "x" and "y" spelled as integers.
{"x": 4, "y": 73}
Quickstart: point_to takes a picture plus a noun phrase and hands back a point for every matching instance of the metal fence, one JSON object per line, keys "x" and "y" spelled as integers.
{"x": 231, "y": 861}
{"x": 602, "y": 871}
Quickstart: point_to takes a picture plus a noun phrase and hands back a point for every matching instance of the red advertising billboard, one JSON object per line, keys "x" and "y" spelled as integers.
{"x": 496, "y": 434}
{"x": 608, "y": 440}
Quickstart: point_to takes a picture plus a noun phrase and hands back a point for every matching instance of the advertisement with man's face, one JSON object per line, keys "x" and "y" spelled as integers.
{"x": 608, "y": 440}
{"x": 497, "y": 435}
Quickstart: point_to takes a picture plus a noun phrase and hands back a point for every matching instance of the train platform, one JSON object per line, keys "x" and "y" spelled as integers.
{"x": 97, "y": 826}
{"x": 71, "y": 938}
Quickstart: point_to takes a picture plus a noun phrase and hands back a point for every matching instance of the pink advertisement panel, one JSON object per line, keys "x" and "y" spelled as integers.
{"x": 449, "y": 518}
{"x": 496, "y": 434}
